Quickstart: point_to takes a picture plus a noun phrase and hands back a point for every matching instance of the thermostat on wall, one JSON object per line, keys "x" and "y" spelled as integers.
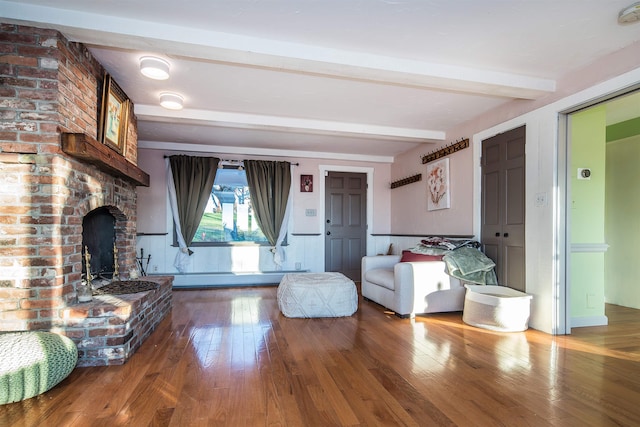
{"x": 584, "y": 173}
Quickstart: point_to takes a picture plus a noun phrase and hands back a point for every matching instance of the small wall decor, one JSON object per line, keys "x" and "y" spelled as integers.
{"x": 407, "y": 180}
{"x": 438, "y": 191}
{"x": 445, "y": 151}
{"x": 114, "y": 116}
{"x": 306, "y": 183}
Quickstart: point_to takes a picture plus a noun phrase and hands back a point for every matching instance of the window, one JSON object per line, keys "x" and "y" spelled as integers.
{"x": 228, "y": 217}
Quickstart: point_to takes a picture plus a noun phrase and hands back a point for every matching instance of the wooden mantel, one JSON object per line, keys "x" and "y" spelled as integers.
{"x": 86, "y": 148}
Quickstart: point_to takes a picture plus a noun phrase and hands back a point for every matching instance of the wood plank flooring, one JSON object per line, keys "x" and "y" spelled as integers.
{"x": 227, "y": 357}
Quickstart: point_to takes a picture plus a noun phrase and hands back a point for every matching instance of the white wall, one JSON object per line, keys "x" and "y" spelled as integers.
{"x": 240, "y": 264}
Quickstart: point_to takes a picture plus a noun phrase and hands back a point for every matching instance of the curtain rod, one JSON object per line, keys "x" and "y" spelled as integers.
{"x": 234, "y": 161}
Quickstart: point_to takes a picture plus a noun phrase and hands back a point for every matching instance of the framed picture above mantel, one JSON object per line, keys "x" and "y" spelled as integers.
{"x": 114, "y": 116}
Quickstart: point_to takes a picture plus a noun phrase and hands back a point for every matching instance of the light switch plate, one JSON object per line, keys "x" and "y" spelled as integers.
{"x": 310, "y": 212}
{"x": 541, "y": 200}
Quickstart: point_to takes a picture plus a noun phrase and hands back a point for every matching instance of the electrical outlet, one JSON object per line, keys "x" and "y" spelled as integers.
{"x": 155, "y": 268}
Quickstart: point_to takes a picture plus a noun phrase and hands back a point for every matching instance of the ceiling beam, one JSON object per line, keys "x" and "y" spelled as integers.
{"x": 256, "y": 151}
{"x": 198, "y": 44}
{"x": 255, "y": 121}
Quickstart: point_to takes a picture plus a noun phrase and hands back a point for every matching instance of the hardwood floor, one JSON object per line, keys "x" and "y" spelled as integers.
{"x": 228, "y": 357}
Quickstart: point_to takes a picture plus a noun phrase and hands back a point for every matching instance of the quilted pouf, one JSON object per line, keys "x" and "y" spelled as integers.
{"x": 317, "y": 295}
{"x": 33, "y": 362}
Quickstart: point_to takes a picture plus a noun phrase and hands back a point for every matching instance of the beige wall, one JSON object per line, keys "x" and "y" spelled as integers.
{"x": 409, "y": 214}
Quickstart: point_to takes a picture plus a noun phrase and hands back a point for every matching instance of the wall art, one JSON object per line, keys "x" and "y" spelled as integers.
{"x": 438, "y": 190}
{"x": 114, "y": 116}
{"x": 306, "y": 183}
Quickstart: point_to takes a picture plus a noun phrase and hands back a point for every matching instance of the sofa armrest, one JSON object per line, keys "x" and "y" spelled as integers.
{"x": 415, "y": 280}
{"x": 420, "y": 272}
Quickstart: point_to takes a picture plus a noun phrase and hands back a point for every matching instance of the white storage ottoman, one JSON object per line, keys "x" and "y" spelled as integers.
{"x": 317, "y": 295}
{"x": 496, "y": 308}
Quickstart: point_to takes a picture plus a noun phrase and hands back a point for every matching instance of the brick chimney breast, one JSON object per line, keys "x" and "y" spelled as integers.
{"x": 51, "y": 86}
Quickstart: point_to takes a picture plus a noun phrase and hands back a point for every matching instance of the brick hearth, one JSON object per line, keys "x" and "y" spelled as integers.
{"x": 109, "y": 329}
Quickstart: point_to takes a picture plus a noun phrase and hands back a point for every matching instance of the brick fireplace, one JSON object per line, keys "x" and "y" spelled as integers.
{"x": 50, "y": 88}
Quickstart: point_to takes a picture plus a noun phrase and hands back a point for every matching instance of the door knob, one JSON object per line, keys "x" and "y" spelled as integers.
{"x": 497, "y": 234}
{"x": 328, "y": 233}
{"x": 506, "y": 234}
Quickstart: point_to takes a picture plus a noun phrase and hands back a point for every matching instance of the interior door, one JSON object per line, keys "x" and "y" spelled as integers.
{"x": 346, "y": 222}
{"x": 503, "y": 205}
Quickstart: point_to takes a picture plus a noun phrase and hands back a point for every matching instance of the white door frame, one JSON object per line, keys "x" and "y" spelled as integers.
{"x": 563, "y": 267}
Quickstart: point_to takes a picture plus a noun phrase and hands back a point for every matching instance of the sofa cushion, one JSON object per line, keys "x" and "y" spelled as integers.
{"x": 381, "y": 277}
{"x": 408, "y": 256}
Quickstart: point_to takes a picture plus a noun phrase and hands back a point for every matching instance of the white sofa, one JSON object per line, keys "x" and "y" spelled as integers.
{"x": 410, "y": 288}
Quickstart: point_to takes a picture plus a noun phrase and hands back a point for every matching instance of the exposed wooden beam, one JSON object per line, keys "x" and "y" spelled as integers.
{"x": 83, "y": 147}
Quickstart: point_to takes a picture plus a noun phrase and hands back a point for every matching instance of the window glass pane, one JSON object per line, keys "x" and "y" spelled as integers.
{"x": 228, "y": 216}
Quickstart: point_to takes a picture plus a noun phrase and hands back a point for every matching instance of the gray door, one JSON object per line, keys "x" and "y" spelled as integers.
{"x": 503, "y": 205}
{"x": 346, "y": 222}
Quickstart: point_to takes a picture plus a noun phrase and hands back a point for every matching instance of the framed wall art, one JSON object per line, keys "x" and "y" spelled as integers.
{"x": 306, "y": 183}
{"x": 438, "y": 191}
{"x": 114, "y": 116}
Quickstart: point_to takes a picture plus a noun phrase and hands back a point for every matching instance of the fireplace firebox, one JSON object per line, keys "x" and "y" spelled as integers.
{"x": 99, "y": 239}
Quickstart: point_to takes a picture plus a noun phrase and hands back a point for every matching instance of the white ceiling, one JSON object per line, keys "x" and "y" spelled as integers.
{"x": 367, "y": 79}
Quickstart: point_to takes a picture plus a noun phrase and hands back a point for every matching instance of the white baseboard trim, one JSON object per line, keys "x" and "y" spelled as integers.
{"x": 580, "y": 322}
{"x": 201, "y": 280}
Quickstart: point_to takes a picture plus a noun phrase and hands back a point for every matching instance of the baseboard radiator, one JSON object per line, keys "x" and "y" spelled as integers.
{"x": 226, "y": 279}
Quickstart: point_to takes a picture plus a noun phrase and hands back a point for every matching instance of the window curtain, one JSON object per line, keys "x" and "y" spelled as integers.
{"x": 190, "y": 181}
{"x": 270, "y": 189}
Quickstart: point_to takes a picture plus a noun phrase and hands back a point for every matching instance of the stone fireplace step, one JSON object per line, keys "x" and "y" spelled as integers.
{"x": 110, "y": 328}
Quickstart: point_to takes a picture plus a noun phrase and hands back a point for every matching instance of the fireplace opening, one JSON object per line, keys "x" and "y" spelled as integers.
{"x": 99, "y": 237}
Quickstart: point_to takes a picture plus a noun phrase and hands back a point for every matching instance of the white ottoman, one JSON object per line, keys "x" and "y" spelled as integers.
{"x": 317, "y": 295}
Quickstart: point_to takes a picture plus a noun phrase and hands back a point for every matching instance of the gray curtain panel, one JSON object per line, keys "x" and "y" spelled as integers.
{"x": 269, "y": 184}
{"x": 193, "y": 178}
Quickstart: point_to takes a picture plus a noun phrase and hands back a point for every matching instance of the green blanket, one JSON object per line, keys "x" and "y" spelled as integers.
{"x": 470, "y": 265}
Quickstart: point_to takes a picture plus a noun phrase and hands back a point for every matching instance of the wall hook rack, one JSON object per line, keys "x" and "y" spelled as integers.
{"x": 405, "y": 181}
{"x": 445, "y": 151}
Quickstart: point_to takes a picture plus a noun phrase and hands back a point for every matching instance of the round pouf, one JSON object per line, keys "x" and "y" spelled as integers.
{"x": 33, "y": 362}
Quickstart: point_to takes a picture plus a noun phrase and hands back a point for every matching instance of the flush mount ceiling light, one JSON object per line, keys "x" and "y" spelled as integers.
{"x": 171, "y": 101}
{"x": 154, "y": 68}
{"x": 629, "y": 14}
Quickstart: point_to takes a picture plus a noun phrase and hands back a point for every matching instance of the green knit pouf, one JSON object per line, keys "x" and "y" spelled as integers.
{"x": 33, "y": 362}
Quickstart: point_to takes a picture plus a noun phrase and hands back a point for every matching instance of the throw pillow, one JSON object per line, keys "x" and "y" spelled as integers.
{"x": 408, "y": 256}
